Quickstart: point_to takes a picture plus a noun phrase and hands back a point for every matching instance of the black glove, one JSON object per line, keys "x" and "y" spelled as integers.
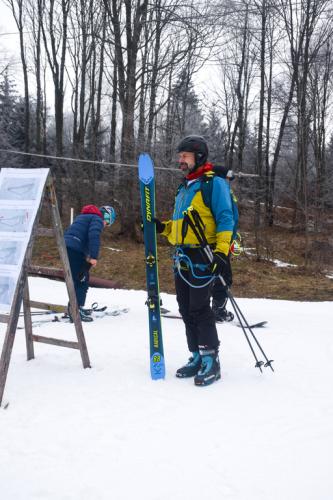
{"x": 219, "y": 263}
{"x": 160, "y": 226}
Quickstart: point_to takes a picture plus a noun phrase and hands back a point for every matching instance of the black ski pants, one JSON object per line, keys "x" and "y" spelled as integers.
{"x": 194, "y": 303}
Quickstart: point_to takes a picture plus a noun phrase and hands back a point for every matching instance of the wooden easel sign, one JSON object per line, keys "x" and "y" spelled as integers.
{"x": 21, "y": 197}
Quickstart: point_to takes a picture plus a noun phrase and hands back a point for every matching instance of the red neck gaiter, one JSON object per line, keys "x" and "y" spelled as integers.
{"x": 199, "y": 171}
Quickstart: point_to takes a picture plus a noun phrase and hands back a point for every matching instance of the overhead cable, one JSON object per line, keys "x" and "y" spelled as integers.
{"x": 101, "y": 162}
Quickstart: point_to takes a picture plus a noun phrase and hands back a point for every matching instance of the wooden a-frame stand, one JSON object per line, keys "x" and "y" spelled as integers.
{"x": 22, "y": 295}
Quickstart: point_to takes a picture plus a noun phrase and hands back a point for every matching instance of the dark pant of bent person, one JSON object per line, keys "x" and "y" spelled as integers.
{"x": 80, "y": 274}
{"x": 194, "y": 303}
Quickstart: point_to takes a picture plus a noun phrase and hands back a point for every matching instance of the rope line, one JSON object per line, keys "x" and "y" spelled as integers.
{"x": 98, "y": 162}
{"x": 116, "y": 164}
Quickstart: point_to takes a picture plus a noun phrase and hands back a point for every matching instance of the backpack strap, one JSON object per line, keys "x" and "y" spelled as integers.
{"x": 206, "y": 187}
{"x": 179, "y": 188}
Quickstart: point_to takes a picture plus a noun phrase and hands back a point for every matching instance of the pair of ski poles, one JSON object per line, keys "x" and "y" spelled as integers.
{"x": 193, "y": 219}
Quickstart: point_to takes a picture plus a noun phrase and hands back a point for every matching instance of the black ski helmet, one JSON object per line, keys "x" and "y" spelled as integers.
{"x": 197, "y": 145}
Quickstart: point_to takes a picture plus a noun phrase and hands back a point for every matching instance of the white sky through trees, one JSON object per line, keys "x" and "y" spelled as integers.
{"x": 205, "y": 79}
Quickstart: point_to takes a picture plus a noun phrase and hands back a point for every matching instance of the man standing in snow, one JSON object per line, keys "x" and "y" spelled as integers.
{"x": 82, "y": 240}
{"x": 192, "y": 273}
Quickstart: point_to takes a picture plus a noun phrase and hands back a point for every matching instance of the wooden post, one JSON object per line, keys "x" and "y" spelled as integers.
{"x": 52, "y": 199}
{"x": 28, "y": 322}
{"x": 10, "y": 333}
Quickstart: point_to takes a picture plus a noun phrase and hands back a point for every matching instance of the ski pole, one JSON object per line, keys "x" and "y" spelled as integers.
{"x": 194, "y": 220}
{"x": 236, "y": 307}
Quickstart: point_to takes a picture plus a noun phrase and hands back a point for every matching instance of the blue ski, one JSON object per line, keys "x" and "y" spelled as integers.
{"x": 147, "y": 191}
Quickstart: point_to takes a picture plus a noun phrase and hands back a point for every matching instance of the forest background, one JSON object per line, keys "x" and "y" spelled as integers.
{"x": 103, "y": 80}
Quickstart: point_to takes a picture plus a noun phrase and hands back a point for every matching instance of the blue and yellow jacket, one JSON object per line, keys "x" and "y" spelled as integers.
{"x": 218, "y": 219}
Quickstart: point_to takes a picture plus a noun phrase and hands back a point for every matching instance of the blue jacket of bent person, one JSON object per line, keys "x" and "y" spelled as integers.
{"x": 84, "y": 234}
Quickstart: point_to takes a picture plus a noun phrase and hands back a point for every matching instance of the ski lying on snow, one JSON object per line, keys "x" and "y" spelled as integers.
{"x": 171, "y": 316}
{"x": 96, "y": 314}
{"x": 94, "y": 308}
{"x": 260, "y": 324}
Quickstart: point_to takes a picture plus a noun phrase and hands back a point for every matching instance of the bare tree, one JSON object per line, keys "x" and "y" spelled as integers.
{"x": 300, "y": 23}
{"x": 54, "y": 21}
{"x": 236, "y": 65}
{"x": 319, "y": 92}
{"x": 127, "y": 18}
{"x": 35, "y": 23}
{"x": 18, "y": 9}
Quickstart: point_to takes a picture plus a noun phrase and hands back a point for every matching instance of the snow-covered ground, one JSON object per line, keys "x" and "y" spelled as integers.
{"x": 277, "y": 262}
{"x": 110, "y": 432}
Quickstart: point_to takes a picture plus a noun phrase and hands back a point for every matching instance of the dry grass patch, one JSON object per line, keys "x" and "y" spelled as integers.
{"x": 122, "y": 261}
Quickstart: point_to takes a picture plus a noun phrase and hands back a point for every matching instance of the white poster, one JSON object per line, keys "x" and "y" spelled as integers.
{"x": 20, "y": 195}
{"x": 15, "y": 220}
{"x": 11, "y": 252}
{"x": 17, "y": 188}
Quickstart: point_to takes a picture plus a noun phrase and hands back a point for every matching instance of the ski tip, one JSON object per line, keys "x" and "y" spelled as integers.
{"x": 157, "y": 366}
{"x": 171, "y": 316}
{"x": 146, "y": 168}
{"x": 261, "y": 324}
{"x": 4, "y": 405}
{"x": 164, "y": 310}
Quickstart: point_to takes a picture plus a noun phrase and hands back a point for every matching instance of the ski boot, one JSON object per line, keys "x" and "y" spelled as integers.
{"x": 220, "y": 313}
{"x": 210, "y": 367}
{"x": 191, "y": 368}
{"x": 87, "y": 312}
{"x": 84, "y": 316}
